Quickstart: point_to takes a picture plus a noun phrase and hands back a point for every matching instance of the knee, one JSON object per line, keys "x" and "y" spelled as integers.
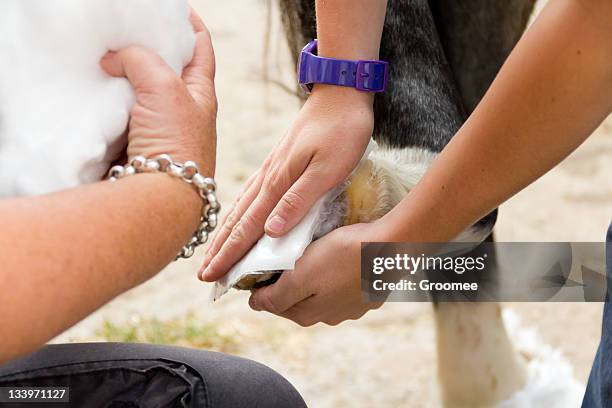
{"x": 235, "y": 381}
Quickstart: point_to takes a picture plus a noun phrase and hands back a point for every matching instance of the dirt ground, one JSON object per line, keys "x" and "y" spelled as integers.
{"x": 387, "y": 359}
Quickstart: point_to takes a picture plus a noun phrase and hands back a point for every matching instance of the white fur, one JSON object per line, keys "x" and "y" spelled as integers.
{"x": 408, "y": 165}
{"x": 550, "y": 378}
{"x": 61, "y": 116}
{"x": 393, "y": 173}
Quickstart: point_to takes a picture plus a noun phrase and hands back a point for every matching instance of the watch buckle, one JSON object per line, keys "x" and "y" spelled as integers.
{"x": 371, "y": 76}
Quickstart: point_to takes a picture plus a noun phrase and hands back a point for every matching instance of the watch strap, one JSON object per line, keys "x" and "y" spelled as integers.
{"x": 364, "y": 75}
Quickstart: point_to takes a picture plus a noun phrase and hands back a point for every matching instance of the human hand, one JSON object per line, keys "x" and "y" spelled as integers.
{"x": 324, "y": 145}
{"x": 323, "y": 287}
{"x": 172, "y": 115}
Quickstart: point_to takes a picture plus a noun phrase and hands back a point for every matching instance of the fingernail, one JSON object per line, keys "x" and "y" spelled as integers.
{"x": 276, "y": 224}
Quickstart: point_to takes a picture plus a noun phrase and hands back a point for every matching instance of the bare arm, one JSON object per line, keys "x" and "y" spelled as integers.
{"x": 350, "y": 29}
{"x": 555, "y": 88}
{"x": 553, "y": 91}
{"x": 65, "y": 254}
{"x": 323, "y": 146}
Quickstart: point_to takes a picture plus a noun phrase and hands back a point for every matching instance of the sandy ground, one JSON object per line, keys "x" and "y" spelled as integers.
{"x": 386, "y": 359}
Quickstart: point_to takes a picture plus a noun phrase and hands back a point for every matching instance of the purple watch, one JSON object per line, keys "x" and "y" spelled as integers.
{"x": 367, "y": 76}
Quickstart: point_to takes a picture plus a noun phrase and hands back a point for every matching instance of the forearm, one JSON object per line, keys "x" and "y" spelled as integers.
{"x": 66, "y": 254}
{"x": 349, "y": 29}
{"x": 553, "y": 91}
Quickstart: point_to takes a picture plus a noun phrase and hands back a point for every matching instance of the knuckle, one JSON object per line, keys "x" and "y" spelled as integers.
{"x": 273, "y": 181}
{"x": 305, "y": 321}
{"x": 243, "y": 228}
{"x": 278, "y": 178}
{"x": 205, "y": 33}
{"x": 249, "y": 222}
{"x": 213, "y": 105}
{"x": 232, "y": 218}
{"x": 133, "y": 51}
{"x": 238, "y": 232}
{"x": 251, "y": 180}
{"x": 225, "y": 231}
{"x": 358, "y": 315}
{"x": 319, "y": 169}
{"x": 333, "y": 322}
{"x": 292, "y": 201}
{"x": 267, "y": 163}
{"x": 268, "y": 303}
{"x": 241, "y": 195}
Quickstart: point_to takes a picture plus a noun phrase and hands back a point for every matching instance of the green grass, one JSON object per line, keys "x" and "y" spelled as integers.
{"x": 186, "y": 331}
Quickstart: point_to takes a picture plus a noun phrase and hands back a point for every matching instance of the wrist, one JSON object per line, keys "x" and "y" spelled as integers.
{"x": 342, "y": 94}
{"x": 176, "y": 188}
{"x": 171, "y": 190}
{"x": 333, "y": 44}
{"x": 206, "y": 166}
{"x": 384, "y": 231}
{"x": 190, "y": 177}
{"x": 411, "y": 227}
{"x": 204, "y": 159}
{"x": 346, "y": 105}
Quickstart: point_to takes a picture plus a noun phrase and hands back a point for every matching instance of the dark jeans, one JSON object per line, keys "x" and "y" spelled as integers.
{"x": 599, "y": 388}
{"x": 115, "y": 375}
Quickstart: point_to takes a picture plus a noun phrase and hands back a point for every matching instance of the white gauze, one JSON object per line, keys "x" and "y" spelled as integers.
{"x": 281, "y": 254}
{"x": 61, "y": 116}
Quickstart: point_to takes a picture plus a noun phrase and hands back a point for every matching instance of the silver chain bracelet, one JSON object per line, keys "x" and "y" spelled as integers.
{"x": 189, "y": 173}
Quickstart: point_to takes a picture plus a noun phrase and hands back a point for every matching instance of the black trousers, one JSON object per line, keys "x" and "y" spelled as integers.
{"x": 113, "y": 375}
